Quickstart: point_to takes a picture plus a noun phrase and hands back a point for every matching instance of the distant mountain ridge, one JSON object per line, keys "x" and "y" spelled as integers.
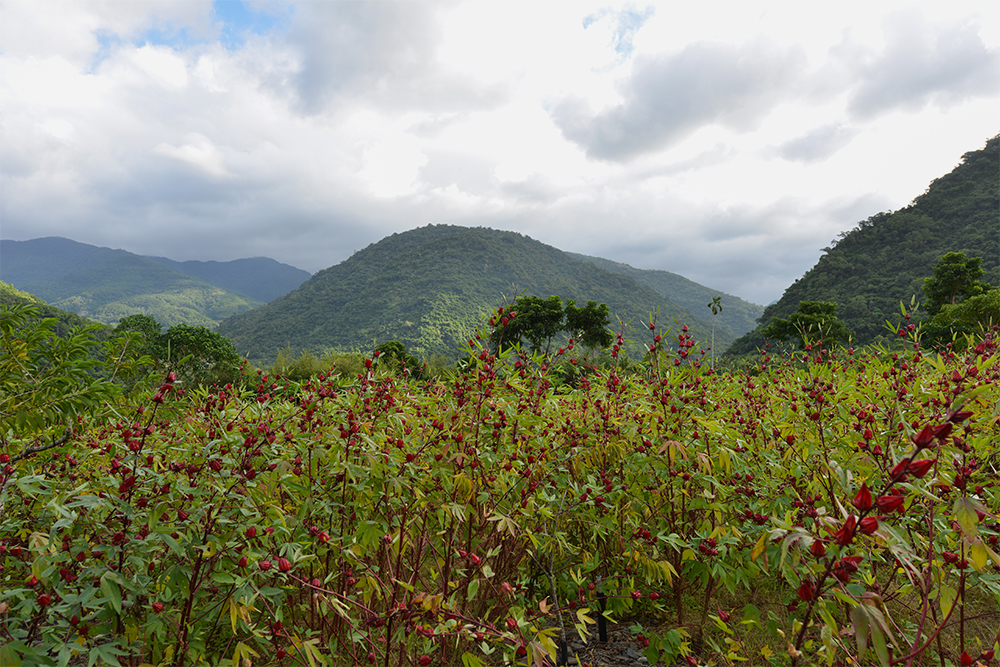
{"x": 884, "y": 260}
{"x": 430, "y": 287}
{"x": 260, "y": 278}
{"x": 105, "y": 284}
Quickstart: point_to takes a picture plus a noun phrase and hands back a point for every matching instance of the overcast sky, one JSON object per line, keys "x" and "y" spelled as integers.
{"x": 726, "y": 142}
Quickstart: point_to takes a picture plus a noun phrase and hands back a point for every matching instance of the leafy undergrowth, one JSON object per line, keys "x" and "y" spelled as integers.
{"x": 836, "y": 508}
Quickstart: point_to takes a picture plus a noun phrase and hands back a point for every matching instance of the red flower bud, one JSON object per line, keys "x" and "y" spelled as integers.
{"x": 966, "y": 660}
{"x": 157, "y": 607}
{"x": 284, "y": 565}
{"x": 264, "y": 565}
{"x": 863, "y": 499}
{"x": 868, "y": 525}
{"x": 818, "y": 549}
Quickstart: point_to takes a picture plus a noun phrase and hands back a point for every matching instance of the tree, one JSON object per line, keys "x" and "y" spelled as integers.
{"x": 199, "y": 355}
{"x": 538, "y": 321}
{"x": 588, "y": 325}
{"x": 813, "y": 321}
{"x": 149, "y": 333}
{"x": 394, "y": 354}
{"x": 956, "y": 277}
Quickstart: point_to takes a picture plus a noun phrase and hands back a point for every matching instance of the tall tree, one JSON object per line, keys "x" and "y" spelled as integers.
{"x": 956, "y": 277}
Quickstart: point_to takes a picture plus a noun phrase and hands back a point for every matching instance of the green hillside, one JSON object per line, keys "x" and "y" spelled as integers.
{"x": 65, "y": 321}
{"x": 104, "y": 284}
{"x": 737, "y": 316}
{"x": 884, "y": 260}
{"x": 429, "y": 288}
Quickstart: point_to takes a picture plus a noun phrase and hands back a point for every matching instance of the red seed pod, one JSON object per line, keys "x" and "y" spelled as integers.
{"x": 284, "y": 565}
{"x": 925, "y": 437}
{"x": 863, "y": 499}
{"x": 807, "y": 590}
{"x": 889, "y": 503}
{"x": 919, "y": 468}
{"x": 264, "y": 565}
{"x": 868, "y": 525}
{"x": 818, "y": 549}
{"x": 845, "y": 535}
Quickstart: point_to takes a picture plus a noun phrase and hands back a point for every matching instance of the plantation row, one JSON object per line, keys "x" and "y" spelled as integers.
{"x": 829, "y": 507}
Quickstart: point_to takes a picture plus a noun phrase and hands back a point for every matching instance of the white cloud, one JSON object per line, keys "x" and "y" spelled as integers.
{"x": 199, "y": 152}
{"x": 726, "y": 142}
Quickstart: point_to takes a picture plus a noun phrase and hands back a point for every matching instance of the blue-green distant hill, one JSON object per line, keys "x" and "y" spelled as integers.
{"x": 104, "y": 284}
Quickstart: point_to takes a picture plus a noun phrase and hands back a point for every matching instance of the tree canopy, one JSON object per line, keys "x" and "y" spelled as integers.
{"x": 535, "y": 321}
{"x": 956, "y": 277}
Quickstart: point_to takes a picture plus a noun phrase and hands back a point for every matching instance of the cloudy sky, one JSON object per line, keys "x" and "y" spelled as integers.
{"x": 727, "y": 142}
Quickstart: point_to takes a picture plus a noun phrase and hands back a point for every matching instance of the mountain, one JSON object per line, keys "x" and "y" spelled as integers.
{"x": 884, "y": 260}
{"x": 260, "y": 278}
{"x": 737, "y": 316}
{"x": 429, "y": 288}
{"x": 105, "y": 284}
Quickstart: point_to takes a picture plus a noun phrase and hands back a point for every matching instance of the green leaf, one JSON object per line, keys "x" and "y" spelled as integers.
{"x": 109, "y": 586}
{"x": 859, "y": 619}
{"x": 470, "y": 660}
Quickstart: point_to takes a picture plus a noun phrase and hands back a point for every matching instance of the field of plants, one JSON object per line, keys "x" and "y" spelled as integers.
{"x": 832, "y": 507}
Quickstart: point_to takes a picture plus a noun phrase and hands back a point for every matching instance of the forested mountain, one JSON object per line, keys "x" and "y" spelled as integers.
{"x": 105, "y": 284}
{"x": 429, "y": 288}
{"x": 884, "y": 260}
{"x": 737, "y": 316}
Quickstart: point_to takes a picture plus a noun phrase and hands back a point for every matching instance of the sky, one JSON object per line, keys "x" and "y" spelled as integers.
{"x": 728, "y": 142}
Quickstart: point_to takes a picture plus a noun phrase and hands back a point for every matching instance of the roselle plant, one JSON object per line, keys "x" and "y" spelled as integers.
{"x": 489, "y": 516}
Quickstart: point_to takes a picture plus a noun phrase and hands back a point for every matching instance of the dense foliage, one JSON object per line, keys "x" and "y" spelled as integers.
{"x": 885, "y": 259}
{"x": 806, "y": 510}
{"x": 429, "y": 288}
